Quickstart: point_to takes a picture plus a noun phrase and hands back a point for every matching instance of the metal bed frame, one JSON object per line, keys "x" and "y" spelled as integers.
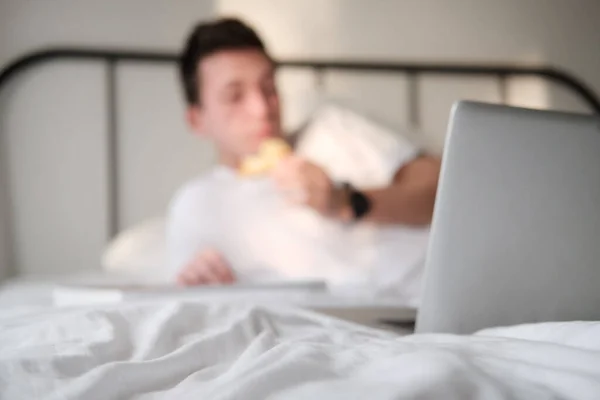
{"x": 412, "y": 71}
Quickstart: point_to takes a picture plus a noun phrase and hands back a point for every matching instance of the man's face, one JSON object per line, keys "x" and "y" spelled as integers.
{"x": 239, "y": 104}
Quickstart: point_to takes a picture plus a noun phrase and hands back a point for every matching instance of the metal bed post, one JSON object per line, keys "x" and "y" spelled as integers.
{"x": 112, "y": 149}
{"x": 320, "y": 79}
{"x": 502, "y": 88}
{"x": 413, "y": 99}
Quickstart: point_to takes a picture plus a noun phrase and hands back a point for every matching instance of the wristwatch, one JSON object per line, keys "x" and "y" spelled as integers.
{"x": 359, "y": 203}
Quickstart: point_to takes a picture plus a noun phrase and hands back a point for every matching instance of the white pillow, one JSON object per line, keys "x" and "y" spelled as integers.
{"x": 139, "y": 250}
{"x": 372, "y": 152}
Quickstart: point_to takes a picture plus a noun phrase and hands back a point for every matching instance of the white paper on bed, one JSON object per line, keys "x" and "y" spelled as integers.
{"x": 92, "y": 293}
{"x": 189, "y": 350}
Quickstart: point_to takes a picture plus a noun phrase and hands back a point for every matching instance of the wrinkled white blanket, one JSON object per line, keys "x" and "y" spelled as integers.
{"x": 180, "y": 350}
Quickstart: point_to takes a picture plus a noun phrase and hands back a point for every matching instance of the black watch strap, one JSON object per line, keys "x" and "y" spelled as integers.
{"x": 359, "y": 202}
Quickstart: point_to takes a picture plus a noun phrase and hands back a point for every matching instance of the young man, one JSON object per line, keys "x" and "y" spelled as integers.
{"x": 299, "y": 222}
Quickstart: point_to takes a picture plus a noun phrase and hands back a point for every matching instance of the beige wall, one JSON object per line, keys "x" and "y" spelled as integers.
{"x": 556, "y": 32}
{"x": 53, "y": 125}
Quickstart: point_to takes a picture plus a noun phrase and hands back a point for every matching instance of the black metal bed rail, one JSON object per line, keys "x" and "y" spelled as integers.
{"x": 112, "y": 57}
{"x": 500, "y": 71}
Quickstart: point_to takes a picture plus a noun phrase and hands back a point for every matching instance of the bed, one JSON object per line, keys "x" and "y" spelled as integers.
{"x": 227, "y": 348}
{"x": 234, "y": 351}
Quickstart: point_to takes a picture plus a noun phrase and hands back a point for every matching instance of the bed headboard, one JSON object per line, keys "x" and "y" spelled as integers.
{"x": 414, "y": 74}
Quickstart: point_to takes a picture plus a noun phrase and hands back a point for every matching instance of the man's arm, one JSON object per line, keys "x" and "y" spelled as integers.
{"x": 408, "y": 200}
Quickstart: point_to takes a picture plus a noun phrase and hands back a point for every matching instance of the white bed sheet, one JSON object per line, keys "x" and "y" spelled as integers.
{"x": 156, "y": 350}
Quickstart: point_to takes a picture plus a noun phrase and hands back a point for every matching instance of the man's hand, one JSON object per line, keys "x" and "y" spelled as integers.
{"x": 408, "y": 200}
{"x": 305, "y": 183}
{"x": 207, "y": 268}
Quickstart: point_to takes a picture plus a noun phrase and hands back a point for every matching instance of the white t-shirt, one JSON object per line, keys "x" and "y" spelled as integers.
{"x": 264, "y": 237}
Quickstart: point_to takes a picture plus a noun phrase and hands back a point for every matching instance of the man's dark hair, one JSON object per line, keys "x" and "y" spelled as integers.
{"x": 208, "y": 38}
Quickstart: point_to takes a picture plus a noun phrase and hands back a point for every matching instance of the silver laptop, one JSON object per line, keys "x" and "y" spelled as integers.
{"x": 516, "y": 231}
